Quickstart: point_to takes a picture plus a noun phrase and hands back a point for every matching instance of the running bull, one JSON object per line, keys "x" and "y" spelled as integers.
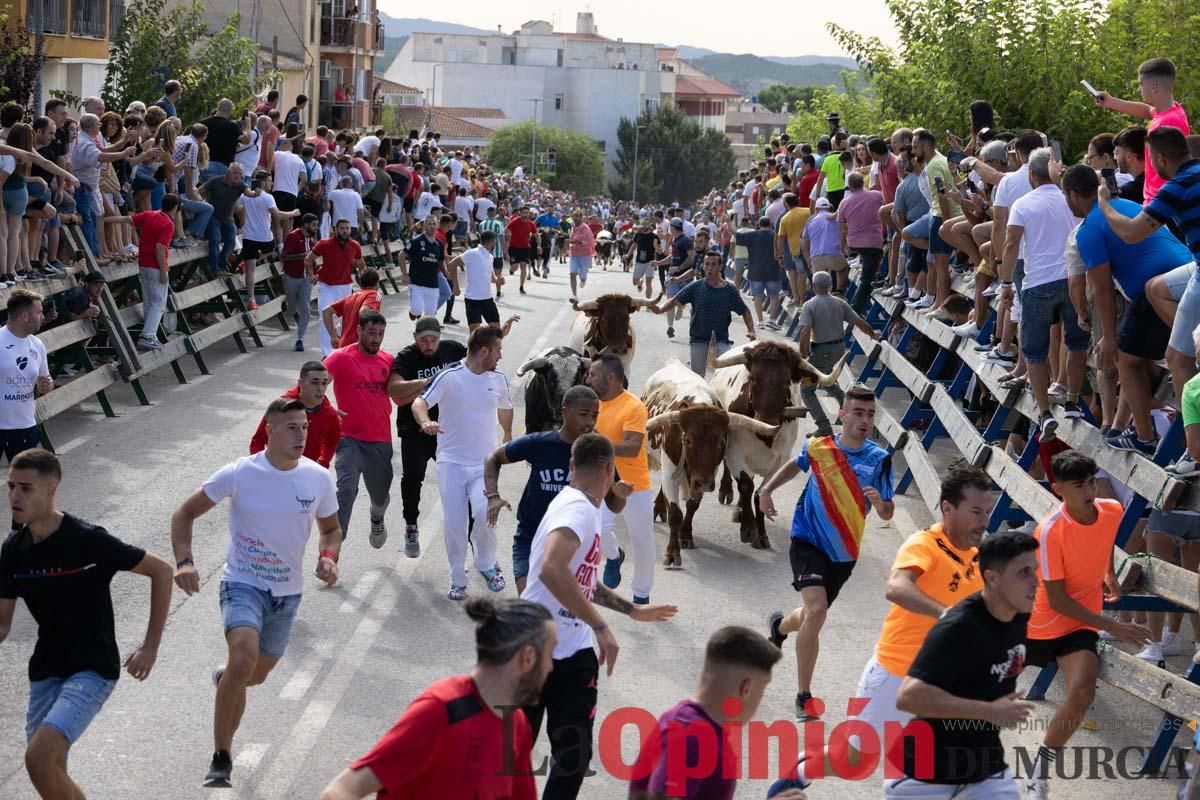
{"x": 547, "y": 378}
{"x": 686, "y": 436}
{"x": 761, "y": 380}
{"x": 602, "y": 326}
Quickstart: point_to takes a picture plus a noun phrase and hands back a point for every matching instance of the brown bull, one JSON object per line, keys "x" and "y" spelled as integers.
{"x": 603, "y": 326}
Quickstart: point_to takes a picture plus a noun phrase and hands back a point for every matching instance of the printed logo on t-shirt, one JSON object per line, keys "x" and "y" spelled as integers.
{"x": 585, "y": 575}
{"x": 305, "y": 502}
{"x": 1012, "y": 666}
{"x": 553, "y": 480}
{"x": 22, "y": 362}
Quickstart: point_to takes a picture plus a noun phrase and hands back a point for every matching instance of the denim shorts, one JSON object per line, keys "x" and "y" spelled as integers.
{"x": 66, "y": 704}
{"x": 245, "y": 606}
{"x": 789, "y": 261}
{"x": 937, "y": 245}
{"x": 1041, "y": 307}
{"x": 522, "y": 543}
{"x": 1177, "y": 279}
{"x": 770, "y": 288}
{"x": 1184, "y": 527}
{"x": 16, "y": 201}
{"x": 919, "y": 228}
{"x": 580, "y": 265}
{"x": 1187, "y": 316}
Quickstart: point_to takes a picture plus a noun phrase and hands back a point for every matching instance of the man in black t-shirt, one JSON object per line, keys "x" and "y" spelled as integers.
{"x": 61, "y": 566}
{"x": 644, "y": 250}
{"x": 224, "y": 135}
{"x": 423, "y": 259}
{"x": 412, "y": 369}
{"x": 963, "y": 682}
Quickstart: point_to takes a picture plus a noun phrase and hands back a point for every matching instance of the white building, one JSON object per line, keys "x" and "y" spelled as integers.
{"x": 581, "y": 81}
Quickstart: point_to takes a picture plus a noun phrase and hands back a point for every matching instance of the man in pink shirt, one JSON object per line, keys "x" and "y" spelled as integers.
{"x": 861, "y": 232}
{"x": 581, "y": 248}
{"x": 319, "y": 142}
{"x": 1156, "y": 83}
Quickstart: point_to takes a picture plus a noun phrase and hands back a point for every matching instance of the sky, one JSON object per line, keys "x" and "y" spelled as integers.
{"x": 670, "y": 23}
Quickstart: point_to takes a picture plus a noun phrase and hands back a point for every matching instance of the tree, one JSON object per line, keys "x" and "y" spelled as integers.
{"x": 21, "y": 58}
{"x": 579, "y": 164}
{"x": 155, "y": 44}
{"x": 686, "y": 160}
{"x": 858, "y": 109}
{"x": 797, "y": 98}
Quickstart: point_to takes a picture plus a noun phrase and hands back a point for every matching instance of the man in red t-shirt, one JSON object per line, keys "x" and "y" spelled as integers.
{"x": 324, "y": 422}
{"x": 466, "y": 736}
{"x": 155, "y": 229}
{"x": 297, "y": 286}
{"x": 520, "y": 253}
{"x": 360, "y": 376}
{"x": 350, "y": 306}
{"x": 340, "y": 256}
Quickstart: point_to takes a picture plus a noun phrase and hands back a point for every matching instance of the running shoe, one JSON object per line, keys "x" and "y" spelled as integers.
{"x": 219, "y": 771}
{"x": 216, "y": 675}
{"x": 495, "y": 581}
{"x": 378, "y": 532}
{"x": 1172, "y": 644}
{"x": 612, "y": 570}
{"x": 1185, "y": 467}
{"x": 148, "y": 344}
{"x": 985, "y": 347}
{"x": 805, "y": 709}
{"x": 1072, "y": 410}
{"x": 992, "y": 290}
{"x": 251, "y": 305}
{"x": 777, "y": 638}
{"x": 924, "y": 302}
{"x": 412, "y": 542}
{"x": 299, "y": 345}
{"x": 1151, "y": 653}
{"x": 1130, "y": 441}
{"x": 641, "y": 601}
{"x": 1048, "y": 426}
{"x": 998, "y": 356}
{"x": 457, "y": 592}
{"x": 968, "y": 330}
{"x": 671, "y": 332}
{"x": 450, "y": 321}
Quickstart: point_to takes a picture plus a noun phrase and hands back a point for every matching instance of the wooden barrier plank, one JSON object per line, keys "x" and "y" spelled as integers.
{"x": 67, "y": 334}
{"x": 925, "y": 476}
{"x": 154, "y": 359}
{"x": 915, "y": 380}
{"x": 1160, "y": 578}
{"x": 46, "y": 288}
{"x": 199, "y": 294}
{"x": 1025, "y": 492}
{"x": 1164, "y": 690}
{"x": 76, "y": 391}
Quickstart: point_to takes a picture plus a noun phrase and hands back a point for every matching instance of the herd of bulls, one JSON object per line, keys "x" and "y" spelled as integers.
{"x": 745, "y": 416}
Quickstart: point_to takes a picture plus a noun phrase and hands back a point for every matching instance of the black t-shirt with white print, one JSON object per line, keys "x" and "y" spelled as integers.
{"x": 410, "y": 364}
{"x": 970, "y": 654}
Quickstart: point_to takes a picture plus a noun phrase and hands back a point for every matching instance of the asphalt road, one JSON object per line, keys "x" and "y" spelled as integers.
{"x": 362, "y": 650}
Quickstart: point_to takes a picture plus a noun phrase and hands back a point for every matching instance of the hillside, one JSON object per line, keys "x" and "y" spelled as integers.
{"x": 752, "y": 74}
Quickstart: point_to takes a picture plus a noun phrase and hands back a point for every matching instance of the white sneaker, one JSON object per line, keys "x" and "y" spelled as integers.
{"x": 378, "y": 535}
{"x": 1151, "y": 653}
{"x": 967, "y": 330}
{"x": 914, "y": 294}
{"x": 1172, "y": 644}
{"x": 924, "y": 302}
{"x": 992, "y": 290}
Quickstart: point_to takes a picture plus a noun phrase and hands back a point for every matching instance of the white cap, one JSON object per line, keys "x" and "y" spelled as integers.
{"x": 823, "y": 202}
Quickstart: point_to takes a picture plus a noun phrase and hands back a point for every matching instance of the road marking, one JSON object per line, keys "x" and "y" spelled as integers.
{"x": 359, "y": 593}
{"x": 239, "y": 359}
{"x": 251, "y": 755}
{"x": 71, "y": 445}
{"x": 540, "y": 344}
{"x": 297, "y": 686}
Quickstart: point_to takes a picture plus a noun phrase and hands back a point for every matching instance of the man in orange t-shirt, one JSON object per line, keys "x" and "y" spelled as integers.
{"x": 622, "y": 421}
{"x": 934, "y": 569}
{"x": 350, "y": 306}
{"x": 1075, "y": 564}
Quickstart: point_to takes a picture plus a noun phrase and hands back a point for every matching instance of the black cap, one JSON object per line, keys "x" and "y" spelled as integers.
{"x": 93, "y": 277}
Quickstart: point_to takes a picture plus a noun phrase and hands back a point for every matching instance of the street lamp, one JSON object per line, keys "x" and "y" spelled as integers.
{"x": 432, "y": 98}
{"x": 533, "y": 149}
{"x": 636, "y": 130}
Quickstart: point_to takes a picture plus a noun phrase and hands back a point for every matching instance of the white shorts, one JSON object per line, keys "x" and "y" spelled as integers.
{"x": 643, "y": 270}
{"x": 422, "y": 300}
{"x": 1001, "y": 786}
{"x": 879, "y": 687}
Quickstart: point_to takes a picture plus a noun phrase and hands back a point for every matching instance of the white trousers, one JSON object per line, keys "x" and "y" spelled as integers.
{"x": 1001, "y": 786}
{"x": 639, "y": 519}
{"x": 422, "y": 300}
{"x": 461, "y": 489}
{"x": 327, "y": 295}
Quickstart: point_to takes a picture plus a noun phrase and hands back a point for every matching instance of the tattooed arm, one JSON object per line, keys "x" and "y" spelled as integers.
{"x": 603, "y": 596}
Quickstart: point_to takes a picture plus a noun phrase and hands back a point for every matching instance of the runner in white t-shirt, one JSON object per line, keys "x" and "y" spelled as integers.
{"x": 274, "y": 497}
{"x": 258, "y": 236}
{"x": 291, "y": 176}
{"x": 478, "y": 263}
{"x": 469, "y": 395}
{"x": 25, "y": 373}
{"x": 564, "y": 562}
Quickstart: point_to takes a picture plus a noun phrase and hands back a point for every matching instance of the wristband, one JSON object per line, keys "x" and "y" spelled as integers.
{"x": 187, "y": 562}
{"x": 599, "y": 628}
{"x": 490, "y": 495}
{"x": 1006, "y": 283}
{"x": 332, "y": 556}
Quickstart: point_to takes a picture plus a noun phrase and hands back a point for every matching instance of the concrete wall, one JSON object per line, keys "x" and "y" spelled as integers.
{"x": 83, "y": 77}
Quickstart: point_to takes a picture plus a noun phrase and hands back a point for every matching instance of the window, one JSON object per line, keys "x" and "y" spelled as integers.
{"x": 437, "y": 40}
{"x": 754, "y": 130}
{"x": 508, "y": 55}
{"x": 452, "y": 55}
{"x": 560, "y": 58}
{"x": 558, "y": 102}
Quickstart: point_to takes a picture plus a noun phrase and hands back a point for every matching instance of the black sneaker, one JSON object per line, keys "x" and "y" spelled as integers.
{"x": 1048, "y": 426}
{"x": 219, "y": 771}
{"x": 1072, "y": 410}
{"x": 449, "y": 321}
{"x": 985, "y": 347}
{"x": 670, "y": 333}
{"x": 773, "y": 633}
{"x": 805, "y": 711}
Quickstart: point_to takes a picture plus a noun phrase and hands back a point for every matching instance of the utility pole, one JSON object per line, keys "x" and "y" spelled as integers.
{"x": 533, "y": 149}
{"x": 637, "y": 129}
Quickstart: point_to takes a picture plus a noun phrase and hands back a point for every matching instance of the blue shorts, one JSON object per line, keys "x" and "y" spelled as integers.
{"x": 68, "y": 705}
{"x": 15, "y": 201}
{"x": 245, "y": 606}
{"x": 1187, "y": 315}
{"x": 675, "y": 288}
{"x": 522, "y": 543}
{"x": 937, "y": 245}
{"x": 580, "y": 266}
{"x": 789, "y": 261}
{"x": 1041, "y": 307}
{"x": 461, "y": 229}
{"x": 919, "y": 228}
{"x": 770, "y": 288}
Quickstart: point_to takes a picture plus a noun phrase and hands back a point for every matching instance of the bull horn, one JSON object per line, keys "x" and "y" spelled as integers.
{"x": 757, "y": 427}
{"x": 662, "y": 421}
{"x": 795, "y": 412}
{"x": 730, "y": 359}
{"x": 831, "y": 379}
{"x": 533, "y": 364}
{"x": 642, "y": 302}
{"x": 587, "y": 305}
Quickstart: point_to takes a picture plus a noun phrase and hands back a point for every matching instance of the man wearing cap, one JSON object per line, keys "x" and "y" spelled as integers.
{"x": 412, "y": 369}
{"x": 822, "y": 244}
{"x": 680, "y": 264}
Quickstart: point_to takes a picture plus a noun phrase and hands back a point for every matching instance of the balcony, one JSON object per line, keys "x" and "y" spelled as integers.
{"x": 54, "y": 15}
{"x": 350, "y": 33}
{"x": 88, "y": 18}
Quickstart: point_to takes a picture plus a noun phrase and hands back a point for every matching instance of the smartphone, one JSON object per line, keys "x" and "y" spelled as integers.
{"x": 939, "y": 183}
{"x": 1056, "y": 146}
{"x": 1090, "y": 89}
{"x": 1110, "y": 178}
{"x": 955, "y": 157}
